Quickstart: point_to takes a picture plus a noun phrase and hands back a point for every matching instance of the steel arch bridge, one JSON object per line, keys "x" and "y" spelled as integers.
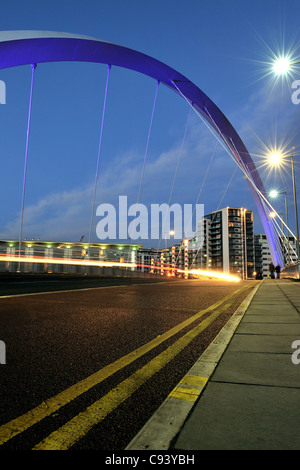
{"x": 32, "y": 47}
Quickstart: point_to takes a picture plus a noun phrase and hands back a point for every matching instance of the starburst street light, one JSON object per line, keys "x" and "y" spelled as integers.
{"x": 275, "y": 158}
{"x": 280, "y": 62}
{"x": 274, "y": 193}
{"x": 284, "y": 65}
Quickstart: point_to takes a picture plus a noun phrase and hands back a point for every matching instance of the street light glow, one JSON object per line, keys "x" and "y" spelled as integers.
{"x": 282, "y": 66}
{"x": 274, "y": 193}
{"x": 275, "y": 158}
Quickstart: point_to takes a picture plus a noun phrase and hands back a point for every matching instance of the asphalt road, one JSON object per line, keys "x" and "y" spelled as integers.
{"x": 18, "y": 284}
{"x": 85, "y": 369}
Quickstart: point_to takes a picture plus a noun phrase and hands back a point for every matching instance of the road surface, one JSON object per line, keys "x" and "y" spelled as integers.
{"x": 87, "y": 367}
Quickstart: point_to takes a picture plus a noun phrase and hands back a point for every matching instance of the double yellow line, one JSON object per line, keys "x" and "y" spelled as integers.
{"x": 77, "y": 427}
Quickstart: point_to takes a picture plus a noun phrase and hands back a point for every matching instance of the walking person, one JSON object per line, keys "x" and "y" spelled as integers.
{"x": 277, "y": 269}
{"x": 272, "y": 270}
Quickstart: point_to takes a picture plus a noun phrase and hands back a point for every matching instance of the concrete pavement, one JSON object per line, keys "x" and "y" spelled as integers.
{"x": 246, "y": 387}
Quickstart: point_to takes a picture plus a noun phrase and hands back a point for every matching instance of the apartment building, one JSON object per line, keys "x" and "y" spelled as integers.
{"x": 225, "y": 241}
{"x": 262, "y": 255}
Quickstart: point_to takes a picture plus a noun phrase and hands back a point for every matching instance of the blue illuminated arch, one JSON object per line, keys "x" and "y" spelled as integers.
{"x": 33, "y": 47}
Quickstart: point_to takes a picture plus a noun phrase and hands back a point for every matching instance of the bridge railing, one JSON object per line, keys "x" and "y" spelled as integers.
{"x": 290, "y": 271}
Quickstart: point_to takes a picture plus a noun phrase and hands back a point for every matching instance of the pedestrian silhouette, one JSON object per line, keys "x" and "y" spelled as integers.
{"x": 272, "y": 270}
{"x": 277, "y": 269}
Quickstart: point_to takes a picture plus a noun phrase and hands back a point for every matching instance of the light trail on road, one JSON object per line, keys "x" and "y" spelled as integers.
{"x": 87, "y": 262}
{"x": 64, "y": 261}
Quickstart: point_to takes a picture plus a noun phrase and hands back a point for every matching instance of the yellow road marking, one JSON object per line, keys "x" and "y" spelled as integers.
{"x": 194, "y": 380}
{"x": 186, "y": 390}
{"x": 186, "y": 394}
{"x": 51, "y": 405}
{"x": 76, "y": 428}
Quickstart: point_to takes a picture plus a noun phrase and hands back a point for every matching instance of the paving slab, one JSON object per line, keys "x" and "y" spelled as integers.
{"x": 252, "y": 400}
{"x": 243, "y": 417}
{"x": 277, "y": 318}
{"x": 270, "y": 329}
{"x": 264, "y": 368}
{"x": 262, "y": 343}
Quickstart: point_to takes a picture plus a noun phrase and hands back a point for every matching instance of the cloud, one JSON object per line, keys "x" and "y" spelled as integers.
{"x": 61, "y": 215}
{"x": 65, "y": 215}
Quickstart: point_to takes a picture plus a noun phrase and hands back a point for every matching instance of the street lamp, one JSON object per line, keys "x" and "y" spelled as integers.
{"x": 274, "y": 194}
{"x": 186, "y": 257}
{"x": 282, "y": 65}
{"x": 171, "y": 232}
{"x": 277, "y": 161}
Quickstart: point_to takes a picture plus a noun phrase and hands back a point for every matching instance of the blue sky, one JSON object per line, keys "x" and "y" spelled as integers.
{"x": 223, "y": 47}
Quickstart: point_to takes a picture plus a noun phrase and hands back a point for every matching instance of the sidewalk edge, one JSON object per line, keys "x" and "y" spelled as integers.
{"x": 165, "y": 424}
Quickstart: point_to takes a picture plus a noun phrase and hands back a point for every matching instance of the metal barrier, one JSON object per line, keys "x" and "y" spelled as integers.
{"x": 291, "y": 271}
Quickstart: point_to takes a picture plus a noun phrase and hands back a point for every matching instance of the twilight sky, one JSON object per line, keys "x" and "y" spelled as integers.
{"x": 225, "y": 48}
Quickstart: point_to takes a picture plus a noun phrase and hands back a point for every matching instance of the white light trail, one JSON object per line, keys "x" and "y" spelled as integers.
{"x": 213, "y": 274}
{"x": 74, "y": 262}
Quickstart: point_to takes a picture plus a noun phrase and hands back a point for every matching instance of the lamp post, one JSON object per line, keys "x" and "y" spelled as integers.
{"x": 171, "y": 233}
{"x": 282, "y": 66}
{"x": 186, "y": 257}
{"x": 276, "y": 159}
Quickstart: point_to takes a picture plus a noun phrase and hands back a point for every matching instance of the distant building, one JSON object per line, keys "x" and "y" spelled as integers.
{"x": 74, "y": 254}
{"x": 144, "y": 259}
{"x": 262, "y": 255}
{"x": 225, "y": 241}
{"x": 164, "y": 261}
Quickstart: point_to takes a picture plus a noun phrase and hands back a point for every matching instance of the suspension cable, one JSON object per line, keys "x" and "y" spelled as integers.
{"x": 33, "y": 67}
{"x": 280, "y": 232}
{"x": 214, "y": 216}
{"x": 203, "y": 183}
{"x": 98, "y": 157}
{"x": 240, "y": 164}
{"x": 199, "y": 194}
{"x": 145, "y": 159}
{"x": 175, "y": 175}
{"x": 147, "y": 145}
